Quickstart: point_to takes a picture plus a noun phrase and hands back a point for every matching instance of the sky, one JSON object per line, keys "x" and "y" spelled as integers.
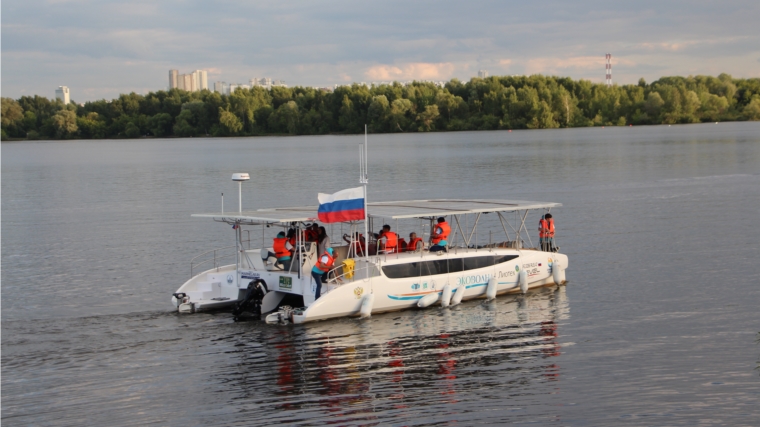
{"x": 100, "y": 49}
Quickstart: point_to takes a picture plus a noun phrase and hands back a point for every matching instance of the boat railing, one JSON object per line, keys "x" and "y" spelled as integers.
{"x": 339, "y": 275}
{"x": 217, "y": 256}
{"x": 214, "y": 257}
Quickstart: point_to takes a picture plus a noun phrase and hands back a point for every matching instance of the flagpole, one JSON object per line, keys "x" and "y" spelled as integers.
{"x": 364, "y": 180}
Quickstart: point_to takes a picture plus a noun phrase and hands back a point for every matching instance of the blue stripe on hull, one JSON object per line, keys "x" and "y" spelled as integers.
{"x": 416, "y": 297}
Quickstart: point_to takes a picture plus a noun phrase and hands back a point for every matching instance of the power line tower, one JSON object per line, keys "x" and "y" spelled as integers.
{"x": 608, "y": 57}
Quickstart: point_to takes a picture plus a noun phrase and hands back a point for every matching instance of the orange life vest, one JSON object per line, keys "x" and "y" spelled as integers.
{"x": 445, "y": 230}
{"x": 412, "y": 246}
{"x": 280, "y": 251}
{"x": 325, "y": 266}
{"x": 546, "y": 228}
{"x": 293, "y": 239}
{"x": 311, "y": 235}
{"x": 391, "y": 240}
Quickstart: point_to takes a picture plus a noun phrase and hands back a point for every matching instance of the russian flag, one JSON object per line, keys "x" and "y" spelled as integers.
{"x": 345, "y": 205}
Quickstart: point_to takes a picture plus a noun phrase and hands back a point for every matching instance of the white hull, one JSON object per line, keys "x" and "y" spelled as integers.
{"x": 221, "y": 287}
{"x": 404, "y": 293}
{"x": 212, "y": 289}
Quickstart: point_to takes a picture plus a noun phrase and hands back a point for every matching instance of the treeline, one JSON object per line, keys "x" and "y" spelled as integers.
{"x": 533, "y": 102}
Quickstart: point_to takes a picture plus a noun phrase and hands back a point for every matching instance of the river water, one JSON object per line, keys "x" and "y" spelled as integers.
{"x": 658, "y": 325}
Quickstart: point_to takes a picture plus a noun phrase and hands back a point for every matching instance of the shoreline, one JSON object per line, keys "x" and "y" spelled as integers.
{"x": 144, "y": 138}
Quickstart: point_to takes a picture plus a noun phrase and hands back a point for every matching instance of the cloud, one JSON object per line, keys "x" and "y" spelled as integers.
{"x": 411, "y": 71}
{"x": 104, "y": 48}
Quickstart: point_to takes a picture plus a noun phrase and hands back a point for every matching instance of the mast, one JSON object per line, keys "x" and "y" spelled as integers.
{"x": 364, "y": 179}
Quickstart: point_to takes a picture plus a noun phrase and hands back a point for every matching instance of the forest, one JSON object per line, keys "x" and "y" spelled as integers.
{"x": 506, "y": 102}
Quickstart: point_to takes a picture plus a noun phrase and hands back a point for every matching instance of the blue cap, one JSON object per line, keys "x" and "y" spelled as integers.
{"x": 330, "y": 251}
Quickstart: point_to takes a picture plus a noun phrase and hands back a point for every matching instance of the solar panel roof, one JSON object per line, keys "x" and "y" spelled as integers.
{"x": 393, "y": 210}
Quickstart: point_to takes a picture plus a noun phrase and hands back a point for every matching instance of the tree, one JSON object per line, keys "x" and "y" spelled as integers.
{"x": 446, "y": 103}
{"x": 91, "y": 127}
{"x": 132, "y": 130}
{"x": 11, "y": 112}
{"x": 377, "y": 114}
{"x": 183, "y": 126}
{"x": 160, "y": 124}
{"x": 654, "y": 105}
{"x": 752, "y": 110}
{"x": 691, "y": 104}
{"x": 427, "y": 117}
{"x": 285, "y": 118}
{"x": 200, "y": 118}
{"x": 65, "y": 124}
{"x": 348, "y": 118}
{"x": 229, "y": 122}
{"x": 713, "y": 107}
{"x": 399, "y": 120}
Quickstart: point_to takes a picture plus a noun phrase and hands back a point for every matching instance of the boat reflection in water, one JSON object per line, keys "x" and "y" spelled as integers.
{"x": 480, "y": 361}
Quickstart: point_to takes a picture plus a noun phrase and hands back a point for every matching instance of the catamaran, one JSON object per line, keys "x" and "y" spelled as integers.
{"x": 385, "y": 280}
{"x": 370, "y": 277}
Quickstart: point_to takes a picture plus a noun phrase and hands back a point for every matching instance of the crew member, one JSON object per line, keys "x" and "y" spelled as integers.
{"x": 323, "y": 240}
{"x": 439, "y": 235}
{"x": 546, "y": 233}
{"x": 413, "y": 242}
{"x": 389, "y": 240}
{"x": 312, "y": 233}
{"x": 282, "y": 250}
{"x": 319, "y": 271}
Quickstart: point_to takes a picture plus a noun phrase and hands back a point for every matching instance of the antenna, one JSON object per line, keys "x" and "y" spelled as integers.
{"x": 608, "y": 58}
{"x": 239, "y": 178}
{"x": 363, "y": 175}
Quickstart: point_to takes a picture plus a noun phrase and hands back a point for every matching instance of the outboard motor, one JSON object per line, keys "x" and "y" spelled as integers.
{"x": 251, "y": 302}
{"x": 182, "y": 301}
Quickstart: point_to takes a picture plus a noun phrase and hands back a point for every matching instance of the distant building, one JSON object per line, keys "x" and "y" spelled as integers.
{"x": 482, "y": 73}
{"x": 267, "y": 83}
{"x": 193, "y": 82}
{"x": 200, "y": 78}
{"x": 220, "y": 87}
{"x": 185, "y": 82}
{"x": 173, "y": 77}
{"x": 63, "y": 94}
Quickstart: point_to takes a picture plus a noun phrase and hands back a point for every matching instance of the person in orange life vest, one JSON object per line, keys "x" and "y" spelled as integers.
{"x": 387, "y": 240}
{"x": 312, "y": 233}
{"x": 359, "y": 244}
{"x": 414, "y": 241}
{"x": 292, "y": 237}
{"x": 282, "y": 250}
{"x": 439, "y": 235}
{"x": 319, "y": 271}
{"x": 546, "y": 233}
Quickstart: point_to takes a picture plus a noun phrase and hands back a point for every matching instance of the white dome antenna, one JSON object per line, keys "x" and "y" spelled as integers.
{"x": 239, "y": 178}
